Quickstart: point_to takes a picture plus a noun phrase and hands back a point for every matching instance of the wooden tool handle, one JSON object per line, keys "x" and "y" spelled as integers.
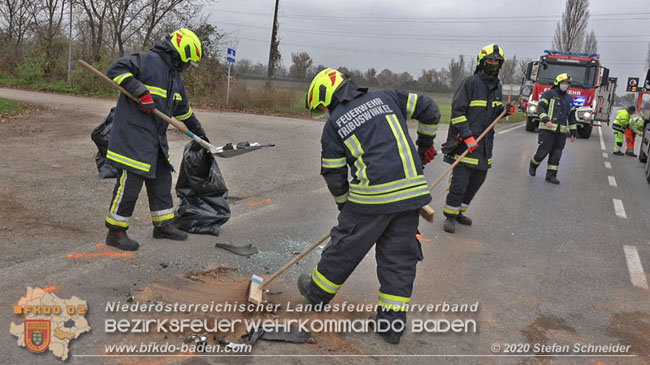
{"x": 295, "y": 259}
{"x": 178, "y": 125}
{"x": 480, "y": 137}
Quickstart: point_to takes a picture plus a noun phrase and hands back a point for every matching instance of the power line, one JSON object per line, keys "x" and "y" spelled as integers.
{"x": 482, "y": 19}
{"x": 397, "y": 53}
{"x": 448, "y": 38}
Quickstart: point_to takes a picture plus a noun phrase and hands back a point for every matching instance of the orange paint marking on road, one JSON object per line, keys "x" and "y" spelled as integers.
{"x": 101, "y": 246}
{"x": 98, "y": 254}
{"x": 51, "y": 288}
{"x": 258, "y": 203}
{"x": 421, "y": 238}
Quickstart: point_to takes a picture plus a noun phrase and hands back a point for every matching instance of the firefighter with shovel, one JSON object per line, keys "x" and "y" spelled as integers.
{"x": 138, "y": 146}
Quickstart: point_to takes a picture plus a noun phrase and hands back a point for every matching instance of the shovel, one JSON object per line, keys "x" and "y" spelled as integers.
{"x": 226, "y": 151}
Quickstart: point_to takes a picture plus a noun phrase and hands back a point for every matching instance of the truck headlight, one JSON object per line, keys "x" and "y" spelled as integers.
{"x": 532, "y": 109}
{"x": 585, "y": 114}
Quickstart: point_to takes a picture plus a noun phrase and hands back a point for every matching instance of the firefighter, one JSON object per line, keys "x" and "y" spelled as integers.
{"x": 557, "y": 116}
{"x": 634, "y": 128}
{"x": 476, "y": 103}
{"x": 367, "y": 132}
{"x": 619, "y": 126}
{"x": 138, "y": 146}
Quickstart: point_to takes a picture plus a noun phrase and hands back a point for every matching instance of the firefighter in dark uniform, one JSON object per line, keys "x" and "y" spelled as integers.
{"x": 367, "y": 132}
{"x": 138, "y": 146}
{"x": 476, "y": 103}
{"x": 557, "y": 116}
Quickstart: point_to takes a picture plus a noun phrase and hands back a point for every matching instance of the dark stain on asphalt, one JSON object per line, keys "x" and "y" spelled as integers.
{"x": 633, "y": 329}
{"x": 537, "y": 331}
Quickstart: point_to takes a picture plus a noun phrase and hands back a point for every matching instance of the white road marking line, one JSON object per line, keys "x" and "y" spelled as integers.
{"x": 605, "y": 155}
{"x": 600, "y": 135}
{"x": 612, "y": 181}
{"x": 512, "y": 129}
{"x": 608, "y": 165}
{"x": 619, "y": 208}
{"x": 637, "y": 275}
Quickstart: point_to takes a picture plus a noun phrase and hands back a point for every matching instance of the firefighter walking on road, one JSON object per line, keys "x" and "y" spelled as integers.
{"x": 557, "y": 116}
{"x": 476, "y": 103}
{"x": 619, "y": 127}
{"x": 138, "y": 146}
{"x": 367, "y": 133}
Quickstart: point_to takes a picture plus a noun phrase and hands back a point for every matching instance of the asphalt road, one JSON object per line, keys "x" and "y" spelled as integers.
{"x": 547, "y": 264}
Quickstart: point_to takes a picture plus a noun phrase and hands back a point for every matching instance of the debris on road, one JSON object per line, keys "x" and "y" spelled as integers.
{"x": 247, "y": 250}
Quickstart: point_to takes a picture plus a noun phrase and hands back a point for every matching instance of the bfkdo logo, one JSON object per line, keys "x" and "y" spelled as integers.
{"x": 37, "y": 335}
{"x": 49, "y": 322}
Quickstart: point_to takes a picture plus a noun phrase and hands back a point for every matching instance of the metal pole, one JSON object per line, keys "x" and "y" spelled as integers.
{"x": 228, "y": 89}
{"x": 70, "y": 47}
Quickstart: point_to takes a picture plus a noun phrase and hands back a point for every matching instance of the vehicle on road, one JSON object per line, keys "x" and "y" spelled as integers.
{"x": 592, "y": 89}
{"x": 645, "y": 148}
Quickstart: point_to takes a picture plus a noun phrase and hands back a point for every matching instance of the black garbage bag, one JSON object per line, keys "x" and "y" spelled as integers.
{"x": 101, "y": 135}
{"x": 203, "y": 193}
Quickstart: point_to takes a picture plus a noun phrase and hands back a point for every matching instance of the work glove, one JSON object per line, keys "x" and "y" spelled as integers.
{"x": 510, "y": 109}
{"x": 427, "y": 154}
{"x": 449, "y": 148}
{"x": 201, "y": 134}
{"x": 471, "y": 144}
{"x": 146, "y": 103}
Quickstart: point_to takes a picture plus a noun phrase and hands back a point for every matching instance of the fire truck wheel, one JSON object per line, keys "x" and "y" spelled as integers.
{"x": 585, "y": 131}
{"x": 531, "y": 123}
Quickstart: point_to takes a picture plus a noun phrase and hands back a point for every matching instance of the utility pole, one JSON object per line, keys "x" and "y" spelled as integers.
{"x": 70, "y": 47}
{"x": 273, "y": 51}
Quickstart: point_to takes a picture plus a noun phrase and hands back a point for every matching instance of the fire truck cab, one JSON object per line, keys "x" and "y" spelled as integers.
{"x": 592, "y": 89}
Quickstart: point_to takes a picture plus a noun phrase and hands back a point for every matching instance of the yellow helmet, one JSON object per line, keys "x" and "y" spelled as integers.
{"x": 490, "y": 51}
{"x": 563, "y": 77}
{"x": 188, "y": 45}
{"x": 322, "y": 88}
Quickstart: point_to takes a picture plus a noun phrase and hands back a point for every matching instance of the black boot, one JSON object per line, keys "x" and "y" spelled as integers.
{"x": 618, "y": 153}
{"x": 119, "y": 239}
{"x": 450, "y": 225}
{"x": 552, "y": 179}
{"x": 170, "y": 232}
{"x": 532, "y": 170}
{"x": 631, "y": 154}
{"x": 304, "y": 281}
{"x": 464, "y": 220}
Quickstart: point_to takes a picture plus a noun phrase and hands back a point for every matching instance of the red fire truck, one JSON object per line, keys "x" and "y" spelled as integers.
{"x": 592, "y": 88}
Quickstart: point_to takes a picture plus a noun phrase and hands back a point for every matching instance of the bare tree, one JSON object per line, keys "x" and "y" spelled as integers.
{"x": 591, "y": 43}
{"x": 122, "y": 14}
{"x": 301, "y": 63}
{"x": 457, "y": 71}
{"x": 570, "y": 31}
{"x": 509, "y": 71}
{"x": 95, "y": 21}
{"x": 274, "y": 49}
{"x": 47, "y": 17}
{"x": 157, "y": 11}
{"x": 15, "y": 19}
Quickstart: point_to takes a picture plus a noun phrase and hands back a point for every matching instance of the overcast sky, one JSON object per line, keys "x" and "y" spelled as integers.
{"x": 414, "y": 35}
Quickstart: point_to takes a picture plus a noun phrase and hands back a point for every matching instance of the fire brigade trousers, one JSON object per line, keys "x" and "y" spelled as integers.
{"x": 127, "y": 189}
{"x": 464, "y": 183}
{"x": 549, "y": 144}
{"x": 397, "y": 253}
{"x": 629, "y": 139}
{"x": 618, "y": 140}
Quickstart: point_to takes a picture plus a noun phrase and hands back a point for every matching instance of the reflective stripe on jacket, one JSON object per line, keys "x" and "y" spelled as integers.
{"x": 138, "y": 138}
{"x": 367, "y": 131}
{"x": 557, "y": 107}
{"x": 476, "y": 103}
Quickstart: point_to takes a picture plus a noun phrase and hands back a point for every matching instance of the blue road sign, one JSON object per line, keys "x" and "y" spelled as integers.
{"x": 231, "y": 55}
